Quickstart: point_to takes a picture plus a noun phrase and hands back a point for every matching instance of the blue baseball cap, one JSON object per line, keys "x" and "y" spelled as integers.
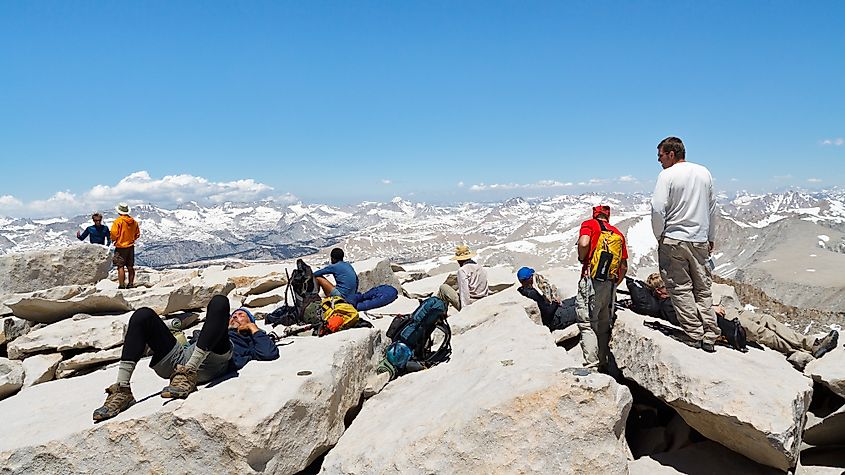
{"x": 524, "y": 273}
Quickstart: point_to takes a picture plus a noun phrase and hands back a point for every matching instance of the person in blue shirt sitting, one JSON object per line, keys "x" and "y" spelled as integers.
{"x": 98, "y": 232}
{"x": 346, "y": 280}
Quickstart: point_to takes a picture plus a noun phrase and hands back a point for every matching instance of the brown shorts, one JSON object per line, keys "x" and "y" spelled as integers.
{"x": 124, "y": 256}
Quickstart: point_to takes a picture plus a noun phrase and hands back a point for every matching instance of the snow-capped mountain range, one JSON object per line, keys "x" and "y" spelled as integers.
{"x": 518, "y": 231}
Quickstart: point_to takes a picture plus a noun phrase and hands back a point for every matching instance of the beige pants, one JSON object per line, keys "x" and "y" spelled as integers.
{"x": 684, "y": 271}
{"x": 594, "y": 309}
{"x": 767, "y": 331}
{"x": 450, "y": 296}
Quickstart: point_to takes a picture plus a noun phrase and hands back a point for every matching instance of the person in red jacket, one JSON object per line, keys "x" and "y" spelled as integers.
{"x": 597, "y": 287}
{"x": 124, "y": 233}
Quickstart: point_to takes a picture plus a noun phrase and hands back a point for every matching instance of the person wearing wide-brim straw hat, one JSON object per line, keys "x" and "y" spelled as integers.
{"x": 124, "y": 232}
{"x": 122, "y": 208}
{"x": 472, "y": 280}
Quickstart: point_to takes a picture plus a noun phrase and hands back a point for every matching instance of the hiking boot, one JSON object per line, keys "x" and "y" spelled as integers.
{"x": 118, "y": 400}
{"x": 182, "y": 383}
{"x": 826, "y": 344}
{"x": 708, "y": 347}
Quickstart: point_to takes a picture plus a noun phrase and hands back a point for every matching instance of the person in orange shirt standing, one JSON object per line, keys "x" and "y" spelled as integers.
{"x": 124, "y": 233}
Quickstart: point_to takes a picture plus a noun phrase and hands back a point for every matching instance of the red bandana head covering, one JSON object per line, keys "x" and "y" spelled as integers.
{"x": 601, "y": 209}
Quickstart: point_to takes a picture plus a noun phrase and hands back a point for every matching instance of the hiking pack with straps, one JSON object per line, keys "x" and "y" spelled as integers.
{"x": 306, "y": 299}
{"x": 337, "y": 315}
{"x": 415, "y": 332}
{"x": 606, "y": 258}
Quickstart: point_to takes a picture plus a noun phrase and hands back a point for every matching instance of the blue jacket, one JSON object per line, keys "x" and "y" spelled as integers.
{"x": 246, "y": 348}
{"x": 346, "y": 280}
{"x": 98, "y": 236}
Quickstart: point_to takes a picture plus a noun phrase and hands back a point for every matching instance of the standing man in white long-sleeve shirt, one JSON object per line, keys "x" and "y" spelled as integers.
{"x": 683, "y": 210}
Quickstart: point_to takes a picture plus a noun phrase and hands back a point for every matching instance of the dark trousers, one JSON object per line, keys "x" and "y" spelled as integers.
{"x": 146, "y": 328}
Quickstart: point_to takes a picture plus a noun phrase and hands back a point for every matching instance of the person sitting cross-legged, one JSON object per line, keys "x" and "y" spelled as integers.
{"x": 226, "y": 343}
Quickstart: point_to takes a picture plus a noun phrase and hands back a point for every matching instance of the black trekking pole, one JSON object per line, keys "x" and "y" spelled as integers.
{"x": 291, "y": 331}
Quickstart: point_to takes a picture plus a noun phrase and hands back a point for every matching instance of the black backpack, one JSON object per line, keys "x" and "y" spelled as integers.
{"x": 303, "y": 289}
{"x": 642, "y": 300}
{"x": 734, "y": 332}
{"x": 416, "y": 331}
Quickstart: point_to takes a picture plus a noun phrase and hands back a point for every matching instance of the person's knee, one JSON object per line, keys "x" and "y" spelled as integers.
{"x": 219, "y": 305}
{"x": 142, "y": 315}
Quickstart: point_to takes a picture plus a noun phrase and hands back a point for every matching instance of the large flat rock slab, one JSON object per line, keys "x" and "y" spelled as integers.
{"x": 829, "y": 369}
{"x": 268, "y": 419}
{"x": 827, "y": 431}
{"x": 753, "y": 403}
{"x": 81, "y": 332}
{"x": 75, "y": 265}
{"x": 38, "y": 309}
{"x": 507, "y": 402}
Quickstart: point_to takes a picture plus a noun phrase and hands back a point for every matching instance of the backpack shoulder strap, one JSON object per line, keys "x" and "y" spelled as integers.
{"x": 602, "y": 226}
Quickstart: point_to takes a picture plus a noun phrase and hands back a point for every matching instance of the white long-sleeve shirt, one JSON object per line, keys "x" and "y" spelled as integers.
{"x": 472, "y": 283}
{"x": 683, "y": 205}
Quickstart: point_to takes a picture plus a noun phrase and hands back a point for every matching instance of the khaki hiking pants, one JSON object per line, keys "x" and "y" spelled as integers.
{"x": 594, "y": 311}
{"x": 450, "y": 296}
{"x": 767, "y": 331}
{"x": 684, "y": 270}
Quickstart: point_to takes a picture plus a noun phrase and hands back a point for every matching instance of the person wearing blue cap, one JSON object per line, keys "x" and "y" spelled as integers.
{"x": 226, "y": 343}
{"x": 553, "y": 314}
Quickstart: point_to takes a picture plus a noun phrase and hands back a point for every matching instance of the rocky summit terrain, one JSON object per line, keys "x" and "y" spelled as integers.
{"x": 791, "y": 245}
{"x": 513, "y": 397}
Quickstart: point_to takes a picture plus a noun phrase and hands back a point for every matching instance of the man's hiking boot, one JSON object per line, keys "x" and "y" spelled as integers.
{"x": 826, "y": 344}
{"x": 708, "y": 347}
{"x": 118, "y": 400}
{"x": 182, "y": 383}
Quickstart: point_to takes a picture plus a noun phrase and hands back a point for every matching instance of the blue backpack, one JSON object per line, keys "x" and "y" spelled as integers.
{"x": 415, "y": 331}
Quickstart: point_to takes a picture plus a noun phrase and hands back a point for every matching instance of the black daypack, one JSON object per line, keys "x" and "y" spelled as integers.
{"x": 416, "y": 331}
{"x": 306, "y": 299}
{"x": 642, "y": 300}
{"x": 734, "y": 332}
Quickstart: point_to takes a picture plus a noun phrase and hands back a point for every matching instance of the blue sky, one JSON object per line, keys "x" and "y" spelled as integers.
{"x": 340, "y": 102}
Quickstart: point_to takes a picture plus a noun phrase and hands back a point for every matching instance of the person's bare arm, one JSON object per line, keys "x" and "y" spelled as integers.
{"x": 583, "y": 248}
{"x": 623, "y": 270}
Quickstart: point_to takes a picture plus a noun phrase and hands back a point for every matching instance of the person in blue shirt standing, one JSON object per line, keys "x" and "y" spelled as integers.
{"x": 346, "y": 280}
{"x": 98, "y": 233}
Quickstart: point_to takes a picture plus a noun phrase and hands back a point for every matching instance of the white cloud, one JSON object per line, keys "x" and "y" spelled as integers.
{"x": 460, "y": 184}
{"x": 140, "y": 187}
{"x": 839, "y": 141}
{"x": 9, "y": 201}
{"x": 734, "y": 179}
{"x": 626, "y": 179}
{"x": 542, "y": 184}
{"x": 386, "y": 181}
{"x": 814, "y": 180}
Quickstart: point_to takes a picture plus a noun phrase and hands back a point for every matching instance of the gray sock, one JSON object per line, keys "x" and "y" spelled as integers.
{"x": 124, "y": 372}
{"x": 197, "y": 357}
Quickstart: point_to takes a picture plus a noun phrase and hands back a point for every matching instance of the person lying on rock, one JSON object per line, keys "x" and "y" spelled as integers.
{"x": 554, "y": 315}
{"x": 226, "y": 343}
{"x": 761, "y": 328}
{"x": 346, "y": 280}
